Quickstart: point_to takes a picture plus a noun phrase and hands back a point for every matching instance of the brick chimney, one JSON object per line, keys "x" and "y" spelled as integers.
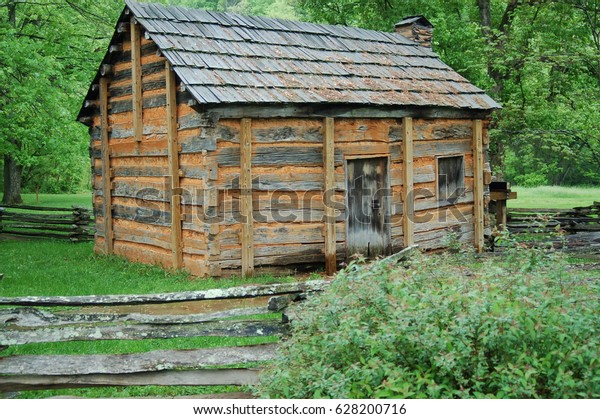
{"x": 416, "y": 28}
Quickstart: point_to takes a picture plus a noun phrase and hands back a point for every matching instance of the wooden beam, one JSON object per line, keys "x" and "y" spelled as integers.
{"x": 136, "y": 80}
{"x": 250, "y": 291}
{"x": 212, "y": 377}
{"x": 232, "y": 328}
{"x": 478, "y": 188}
{"x": 176, "y": 226}
{"x": 106, "y": 173}
{"x": 342, "y": 111}
{"x": 136, "y": 362}
{"x": 408, "y": 197}
{"x": 329, "y": 168}
{"x": 246, "y": 199}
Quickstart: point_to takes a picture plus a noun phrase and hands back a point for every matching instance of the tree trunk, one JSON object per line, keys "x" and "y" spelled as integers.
{"x": 13, "y": 173}
{"x": 12, "y": 13}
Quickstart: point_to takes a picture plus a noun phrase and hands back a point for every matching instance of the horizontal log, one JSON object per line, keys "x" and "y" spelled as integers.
{"x": 140, "y": 332}
{"x": 273, "y": 156}
{"x": 31, "y": 317}
{"x": 540, "y": 210}
{"x": 138, "y": 362}
{"x": 41, "y": 226}
{"x": 343, "y": 111}
{"x": 214, "y": 294}
{"x": 216, "y": 377}
{"x": 120, "y": 106}
{"x": 36, "y": 219}
{"x": 120, "y": 91}
{"x": 583, "y": 227}
{"x": 147, "y": 70}
{"x": 194, "y": 120}
{"x": 36, "y": 208}
{"x": 35, "y": 234}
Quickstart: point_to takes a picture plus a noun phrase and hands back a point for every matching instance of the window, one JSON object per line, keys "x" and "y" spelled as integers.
{"x": 451, "y": 178}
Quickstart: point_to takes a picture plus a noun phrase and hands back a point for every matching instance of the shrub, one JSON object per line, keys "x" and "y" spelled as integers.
{"x": 445, "y": 326}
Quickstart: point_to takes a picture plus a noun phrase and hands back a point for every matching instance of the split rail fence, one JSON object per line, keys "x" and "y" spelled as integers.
{"x": 75, "y": 223}
{"x": 533, "y": 220}
{"x": 28, "y": 321}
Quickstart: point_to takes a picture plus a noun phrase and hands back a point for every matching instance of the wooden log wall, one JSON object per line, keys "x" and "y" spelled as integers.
{"x": 153, "y": 151}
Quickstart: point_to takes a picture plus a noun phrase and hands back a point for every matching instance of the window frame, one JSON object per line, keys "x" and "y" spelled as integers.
{"x": 439, "y": 196}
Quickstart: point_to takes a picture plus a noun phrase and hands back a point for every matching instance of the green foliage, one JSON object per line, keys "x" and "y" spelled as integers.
{"x": 445, "y": 326}
{"x": 541, "y": 60}
{"x": 285, "y": 9}
{"x": 49, "y": 50}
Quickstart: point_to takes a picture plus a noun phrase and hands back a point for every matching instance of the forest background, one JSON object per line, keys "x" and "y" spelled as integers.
{"x": 539, "y": 58}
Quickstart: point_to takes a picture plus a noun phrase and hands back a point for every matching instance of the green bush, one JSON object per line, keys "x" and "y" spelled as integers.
{"x": 445, "y": 326}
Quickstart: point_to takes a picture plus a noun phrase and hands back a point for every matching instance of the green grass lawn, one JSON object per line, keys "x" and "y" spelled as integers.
{"x": 53, "y": 267}
{"x": 48, "y": 267}
{"x": 59, "y": 200}
{"x": 554, "y": 197}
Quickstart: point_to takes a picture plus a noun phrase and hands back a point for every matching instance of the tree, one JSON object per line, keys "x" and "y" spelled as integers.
{"x": 45, "y": 69}
{"x": 539, "y": 58}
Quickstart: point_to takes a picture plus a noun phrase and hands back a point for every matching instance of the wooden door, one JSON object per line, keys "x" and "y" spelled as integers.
{"x": 368, "y": 231}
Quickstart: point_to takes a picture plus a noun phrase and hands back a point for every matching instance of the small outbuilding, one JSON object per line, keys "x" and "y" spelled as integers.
{"x": 222, "y": 143}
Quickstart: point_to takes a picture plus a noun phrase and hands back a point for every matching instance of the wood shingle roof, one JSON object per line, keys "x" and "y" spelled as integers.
{"x": 228, "y": 58}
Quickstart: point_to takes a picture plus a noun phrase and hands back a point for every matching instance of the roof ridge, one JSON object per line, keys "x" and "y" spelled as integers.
{"x": 302, "y": 26}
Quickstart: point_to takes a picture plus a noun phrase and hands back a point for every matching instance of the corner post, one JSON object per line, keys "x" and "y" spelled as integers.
{"x": 478, "y": 187}
{"x": 173, "y": 146}
{"x": 106, "y": 171}
{"x": 408, "y": 198}
{"x": 329, "y": 193}
{"x": 246, "y": 208}
{"x": 136, "y": 80}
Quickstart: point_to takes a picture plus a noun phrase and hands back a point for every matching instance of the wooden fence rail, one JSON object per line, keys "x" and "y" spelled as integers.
{"x": 579, "y": 219}
{"x": 25, "y": 323}
{"x": 75, "y": 224}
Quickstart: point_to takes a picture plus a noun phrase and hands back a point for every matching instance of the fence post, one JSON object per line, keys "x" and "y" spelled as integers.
{"x": 81, "y": 224}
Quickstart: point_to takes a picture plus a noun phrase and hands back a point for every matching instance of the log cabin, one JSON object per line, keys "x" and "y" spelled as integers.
{"x": 223, "y": 144}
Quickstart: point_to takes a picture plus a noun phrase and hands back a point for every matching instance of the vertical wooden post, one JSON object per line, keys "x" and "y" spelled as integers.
{"x": 106, "y": 172}
{"x": 329, "y": 167}
{"x": 501, "y": 214}
{"x": 478, "y": 187}
{"x": 246, "y": 199}
{"x": 136, "y": 80}
{"x": 176, "y": 240}
{"x": 408, "y": 196}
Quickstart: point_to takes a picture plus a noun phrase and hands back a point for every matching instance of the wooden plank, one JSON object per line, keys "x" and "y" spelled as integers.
{"x": 214, "y": 294}
{"x": 246, "y": 199}
{"x": 176, "y": 241}
{"x": 106, "y": 174}
{"x": 137, "y": 362}
{"x": 215, "y": 377}
{"x": 31, "y": 317}
{"x": 329, "y": 168}
{"x": 478, "y": 185}
{"x": 408, "y": 198}
{"x": 136, "y": 79}
{"x": 502, "y": 196}
{"x": 343, "y": 111}
{"x": 235, "y": 328}
{"x": 34, "y": 208}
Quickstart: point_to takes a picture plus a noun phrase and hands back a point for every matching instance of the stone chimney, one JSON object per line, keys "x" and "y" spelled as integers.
{"x": 416, "y": 28}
